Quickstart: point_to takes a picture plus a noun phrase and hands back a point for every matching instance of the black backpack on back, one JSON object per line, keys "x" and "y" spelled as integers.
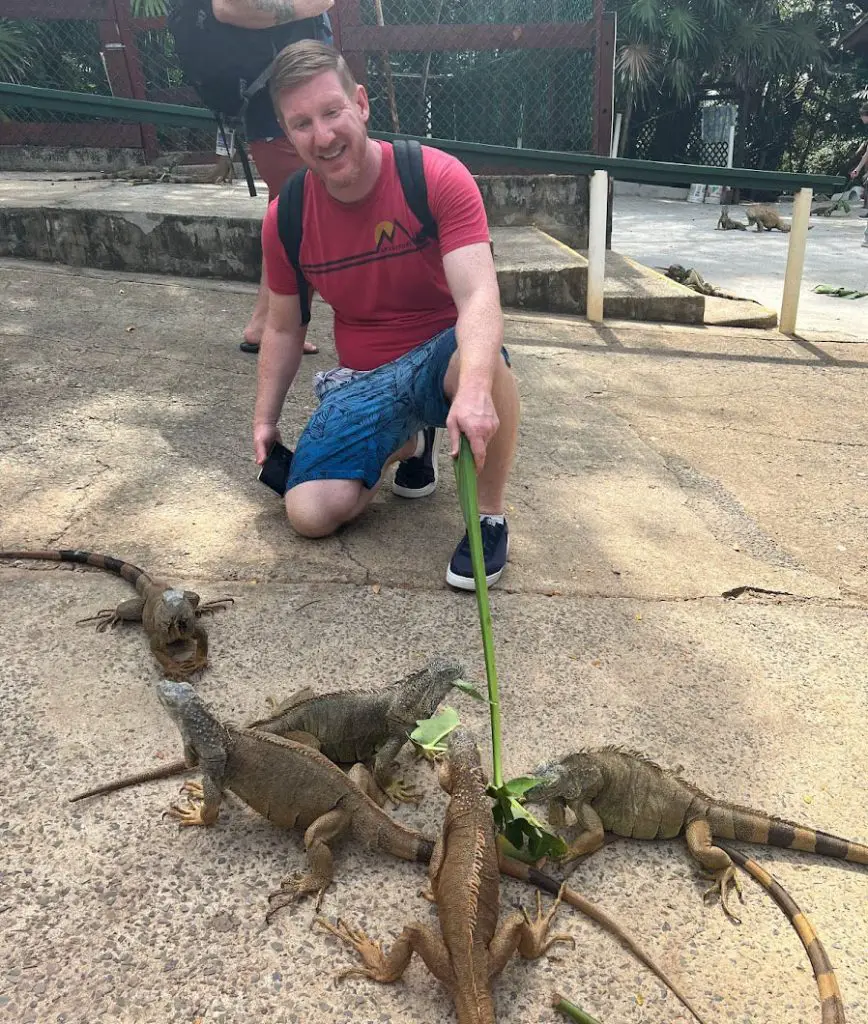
{"x": 290, "y": 207}
{"x": 225, "y": 64}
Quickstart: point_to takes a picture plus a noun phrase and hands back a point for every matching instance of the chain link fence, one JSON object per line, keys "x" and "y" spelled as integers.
{"x": 539, "y": 96}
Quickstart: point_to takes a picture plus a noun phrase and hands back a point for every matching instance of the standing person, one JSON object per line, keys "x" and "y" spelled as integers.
{"x": 417, "y": 321}
{"x": 860, "y": 169}
{"x": 225, "y": 48}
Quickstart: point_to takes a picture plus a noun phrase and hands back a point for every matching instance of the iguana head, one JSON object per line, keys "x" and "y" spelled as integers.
{"x": 462, "y": 762}
{"x": 418, "y": 696}
{"x": 200, "y": 730}
{"x": 176, "y": 616}
{"x": 554, "y": 782}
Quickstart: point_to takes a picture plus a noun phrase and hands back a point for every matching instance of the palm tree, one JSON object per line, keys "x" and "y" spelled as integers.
{"x": 17, "y": 48}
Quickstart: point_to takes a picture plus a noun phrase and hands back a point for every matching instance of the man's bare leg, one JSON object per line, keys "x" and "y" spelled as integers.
{"x": 317, "y": 508}
{"x": 256, "y": 324}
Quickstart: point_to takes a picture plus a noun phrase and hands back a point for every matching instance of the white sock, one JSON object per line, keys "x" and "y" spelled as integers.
{"x": 420, "y": 445}
{"x": 494, "y": 519}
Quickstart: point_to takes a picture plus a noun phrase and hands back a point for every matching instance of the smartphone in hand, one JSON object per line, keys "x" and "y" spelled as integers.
{"x": 274, "y": 472}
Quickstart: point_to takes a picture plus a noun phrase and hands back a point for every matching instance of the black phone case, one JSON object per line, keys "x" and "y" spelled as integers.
{"x": 275, "y": 469}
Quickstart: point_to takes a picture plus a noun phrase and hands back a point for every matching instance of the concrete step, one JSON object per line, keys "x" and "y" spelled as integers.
{"x": 213, "y": 231}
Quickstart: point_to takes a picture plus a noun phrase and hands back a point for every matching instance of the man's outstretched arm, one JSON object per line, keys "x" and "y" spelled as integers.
{"x": 280, "y": 355}
{"x": 472, "y": 281}
{"x": 267, "y": 13}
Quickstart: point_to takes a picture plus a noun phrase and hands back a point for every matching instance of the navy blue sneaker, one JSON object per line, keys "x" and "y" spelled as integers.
{"x": 495, "y": 549}
{"x": 417, "y": 477}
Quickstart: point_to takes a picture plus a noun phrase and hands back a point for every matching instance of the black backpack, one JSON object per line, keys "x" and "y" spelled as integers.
{"x": 290, "y": 206}
{"x": 227, "y": 65}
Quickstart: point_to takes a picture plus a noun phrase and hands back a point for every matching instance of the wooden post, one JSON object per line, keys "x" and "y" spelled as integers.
{"x": 599, "y": 202}
{"x": 795, "y": 260}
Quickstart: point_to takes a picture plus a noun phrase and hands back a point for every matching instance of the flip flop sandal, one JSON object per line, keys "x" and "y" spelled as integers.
{"x": 253, "y": 346}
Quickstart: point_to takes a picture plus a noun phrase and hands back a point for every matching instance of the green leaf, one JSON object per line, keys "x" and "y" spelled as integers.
{"x": 521, "y": 828}
{"x": 518, "y": 786}
{"x": 429, "y": 733}
{"x": 469, "y": 689}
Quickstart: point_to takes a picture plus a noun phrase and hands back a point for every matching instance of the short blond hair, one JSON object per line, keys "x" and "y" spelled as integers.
{"x": 300, "y": 62}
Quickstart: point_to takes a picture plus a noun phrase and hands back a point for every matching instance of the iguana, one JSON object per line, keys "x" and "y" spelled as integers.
{"x": 169, "y": 615}
{"x": 347, "y": 726}
{"x": 616, "y": 790}
{"x": 295, "y": 786}
{"x": 472, "y": 948}
{"x": 767, "y": 217}
{"x": 726, "y": 223}
{"x": 831, "y": 1004}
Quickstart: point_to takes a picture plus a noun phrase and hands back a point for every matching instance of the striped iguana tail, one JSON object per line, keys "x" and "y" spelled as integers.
{"x": 831, "y": 1004}
{"x": 131, "y": 573}
{"x": 729, "y": 821}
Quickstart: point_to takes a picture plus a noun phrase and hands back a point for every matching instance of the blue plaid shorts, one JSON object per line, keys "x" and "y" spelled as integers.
{"x": 364, "y": 418}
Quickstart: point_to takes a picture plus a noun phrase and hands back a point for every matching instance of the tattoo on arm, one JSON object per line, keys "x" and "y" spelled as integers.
{"x": 283, "y": 10}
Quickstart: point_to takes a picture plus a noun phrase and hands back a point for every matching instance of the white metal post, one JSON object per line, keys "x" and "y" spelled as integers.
{"x": 730, "y": 145}
{"x": 597, "y": 245}
{"x": 795, "y": 260}
{"x": 616, "y": 136}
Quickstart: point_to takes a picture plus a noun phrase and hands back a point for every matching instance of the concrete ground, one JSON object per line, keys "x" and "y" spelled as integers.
{"x": 659, "y": 469}
{"x": 659, "y": 232}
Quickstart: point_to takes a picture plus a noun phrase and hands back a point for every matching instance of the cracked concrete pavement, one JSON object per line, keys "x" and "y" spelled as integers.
{"x": 658, "y": 468}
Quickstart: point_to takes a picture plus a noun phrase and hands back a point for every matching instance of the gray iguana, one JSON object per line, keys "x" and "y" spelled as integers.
{"x": 347, "y": 726}
{"x": 168, "y": 615}
{"x": 763, "y": 216}
{"x": 616, "y": 790}
{"x": 295, "y": 786}
{"x": 726, "y": 223}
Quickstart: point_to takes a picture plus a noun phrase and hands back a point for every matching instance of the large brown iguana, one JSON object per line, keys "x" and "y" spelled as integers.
{"x": 831, "y": 1004}
{"x": 473, "y": 947}
{"x": 767, "y": 217}
{"x": 615, "y": 790}
{"x": 348, "y": 726}
{"x": 168, "y": 615}
{"x": 295, "y": 786}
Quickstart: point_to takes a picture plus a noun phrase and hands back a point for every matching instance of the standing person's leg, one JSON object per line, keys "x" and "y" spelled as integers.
{"x": 275, "y": 160}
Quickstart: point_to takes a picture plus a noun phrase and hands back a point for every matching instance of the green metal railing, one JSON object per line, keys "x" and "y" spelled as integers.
{"x": 542, "y": 161}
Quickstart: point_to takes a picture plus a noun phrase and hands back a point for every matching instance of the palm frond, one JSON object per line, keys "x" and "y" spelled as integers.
{"x": 636, "y": 66}
{"x": 16, "y": 51}
{"x": 148, "y": 8}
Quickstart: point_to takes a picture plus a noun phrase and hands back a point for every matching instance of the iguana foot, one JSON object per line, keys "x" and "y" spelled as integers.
{"x": 399, "y": 793}
{"x": 210, "y": 607}
{"x": 370, "y": 951}
{"x": 106, "y": 618}
{"x": 428, "y": 894}
{"x": 181, "y": 671}
{"x": 191, "y": 814}
{"x": 195, "y": 790}
{"x": 292, "y": 888}
{"x": 723, "y": 879}
{"x": 537, "y": 940}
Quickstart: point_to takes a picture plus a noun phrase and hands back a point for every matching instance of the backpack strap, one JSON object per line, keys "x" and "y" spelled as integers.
{"x": 290, "y": 209}
{"x": 408, "y": 161}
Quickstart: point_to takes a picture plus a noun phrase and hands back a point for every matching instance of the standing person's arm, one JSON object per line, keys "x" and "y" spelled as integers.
{"x": 267, "y": 13}
{"x": 862, "y": 163}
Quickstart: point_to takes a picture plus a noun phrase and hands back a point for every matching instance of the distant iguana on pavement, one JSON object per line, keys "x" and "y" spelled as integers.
{"x": 767, "y": 217}
{"x": 168, "y": 615}
{"x": 831, "y": 1004}
{"x": 615, "y": 790}
{"x": 472, "y": 948}
{"x": 726, "y": 223}
{"x": 348, "y": 726}
{"x": 295, "y": 786}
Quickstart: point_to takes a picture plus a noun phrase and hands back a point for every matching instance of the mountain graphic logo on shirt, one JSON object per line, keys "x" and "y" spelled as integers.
{"x": 386, "y": 228}
{"x": 391, "y": 239}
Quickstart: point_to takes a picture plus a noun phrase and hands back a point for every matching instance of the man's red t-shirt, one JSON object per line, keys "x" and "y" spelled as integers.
{"x": 388, "y": 294}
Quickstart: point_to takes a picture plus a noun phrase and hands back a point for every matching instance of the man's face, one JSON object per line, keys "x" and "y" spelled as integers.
{"x": 328, "y": 128}
{"x": 864, "y": 118}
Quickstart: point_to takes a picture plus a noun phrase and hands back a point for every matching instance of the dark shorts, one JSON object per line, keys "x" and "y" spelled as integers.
{"x": 362, "y": 422}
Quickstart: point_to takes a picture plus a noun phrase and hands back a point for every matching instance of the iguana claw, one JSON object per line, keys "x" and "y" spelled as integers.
{"x": 105, "y": 618}
{"x": 293, "y": 887}
{"x": 181, "y": 671}
{"x": 368, "y": 949}
{"x": 722, "y": 880}
{"x": 538, "y": 929}
{"x": 218, "y": 605}
{"x": 189, "y": 815}
{"x": 399, "y": 793}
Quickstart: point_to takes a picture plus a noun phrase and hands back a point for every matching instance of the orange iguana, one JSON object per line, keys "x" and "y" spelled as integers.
{"x": 169, "y": 615}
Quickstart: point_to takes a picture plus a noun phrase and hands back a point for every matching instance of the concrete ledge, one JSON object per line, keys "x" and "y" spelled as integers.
{"x": 738, "y": 313}
{"x": 535, "y": 271}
